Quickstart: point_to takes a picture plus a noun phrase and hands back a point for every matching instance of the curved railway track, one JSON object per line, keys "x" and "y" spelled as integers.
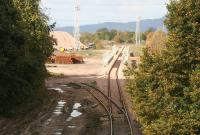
{"x": 121, "y": 97}
{"x": 110, "y": 101}
{"x": 123, "y": 103}
{"x": 105, "y": 108}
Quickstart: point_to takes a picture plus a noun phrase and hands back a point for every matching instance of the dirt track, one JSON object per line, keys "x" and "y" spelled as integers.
{"x": 89, "y": 119}
{"x": 91, "y": 66}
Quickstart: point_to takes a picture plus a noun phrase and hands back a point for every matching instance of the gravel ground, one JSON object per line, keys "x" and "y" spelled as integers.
{"x": 72, "y": 110}
{"x": 92, "y": 66}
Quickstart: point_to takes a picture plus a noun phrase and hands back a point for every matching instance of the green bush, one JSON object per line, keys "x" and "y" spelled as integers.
{"x": 25, "y": 46}
{"x": 166, "y": 88}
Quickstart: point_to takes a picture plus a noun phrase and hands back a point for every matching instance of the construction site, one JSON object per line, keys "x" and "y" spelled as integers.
{"x": 109, "y": 69}
{"x": 87, "y": 86}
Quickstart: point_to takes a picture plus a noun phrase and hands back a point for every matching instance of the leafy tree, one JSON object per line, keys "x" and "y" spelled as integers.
{"x": 88, "y": 38}
{"x": 25, "y": 46}
{"x": 156, "y": 41}
{"x": 165, "y": 89}
{"x": 124, "y": 37}
{"x": 103, "y": 34}
{"x": 113, "y": 33}
{"x": 145, "y": 34}
{"x": 118, "y": 38}
{"x": 151, "y": 29}
{"x": 109, "y": 35}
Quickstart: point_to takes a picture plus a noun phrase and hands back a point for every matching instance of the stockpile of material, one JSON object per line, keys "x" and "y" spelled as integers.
{"x": 64, "y": 58}
{"x": 65, "y": 41}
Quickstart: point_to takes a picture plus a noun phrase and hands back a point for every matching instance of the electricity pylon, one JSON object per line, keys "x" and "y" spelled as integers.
{"x": 137, "y": 32}
{"x": 77, "y": 25}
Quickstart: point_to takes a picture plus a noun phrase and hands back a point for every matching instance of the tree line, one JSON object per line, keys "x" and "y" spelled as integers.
{"x": 113, "y": 35}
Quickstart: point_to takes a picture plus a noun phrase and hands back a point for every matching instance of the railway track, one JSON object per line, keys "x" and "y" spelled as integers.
{"x": 123, "y": 103}
{"x": 121, "y": 97}
{"x": 105, "y": 108}
{"x": 110, "y": 101}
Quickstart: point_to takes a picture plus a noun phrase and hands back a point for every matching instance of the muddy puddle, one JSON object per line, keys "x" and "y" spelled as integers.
{"x": 72, "y": 112}
{"x": 71, "y": 127}
{"x": 72, "y": 85}
{"x": 59, "y": 108}
{"x": 59, "y": 90}
{"x": 65, "y": 86}
{"x": 75, "y": 112}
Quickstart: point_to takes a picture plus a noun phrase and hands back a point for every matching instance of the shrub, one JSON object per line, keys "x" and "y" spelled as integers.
{"x": 165, "y": 89}
{"x": 25, "y": 46}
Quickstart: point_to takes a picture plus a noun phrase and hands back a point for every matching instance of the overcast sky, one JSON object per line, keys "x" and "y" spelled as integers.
{"x": 98, "y": 11}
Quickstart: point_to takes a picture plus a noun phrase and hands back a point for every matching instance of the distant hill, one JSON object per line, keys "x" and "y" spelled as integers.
{"x": 130, "y": 26}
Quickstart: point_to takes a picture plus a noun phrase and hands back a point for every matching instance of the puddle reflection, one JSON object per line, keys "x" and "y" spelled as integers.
{"x": 75, "y": 113}
{"x": 76, "y": 105}
{"x": 57, "y": 89}
{"x": 71, "y": 127}
{"x": 59, "y": 107}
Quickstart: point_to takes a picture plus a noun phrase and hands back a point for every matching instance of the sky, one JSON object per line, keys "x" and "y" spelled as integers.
{"x": 98, "y": 11}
